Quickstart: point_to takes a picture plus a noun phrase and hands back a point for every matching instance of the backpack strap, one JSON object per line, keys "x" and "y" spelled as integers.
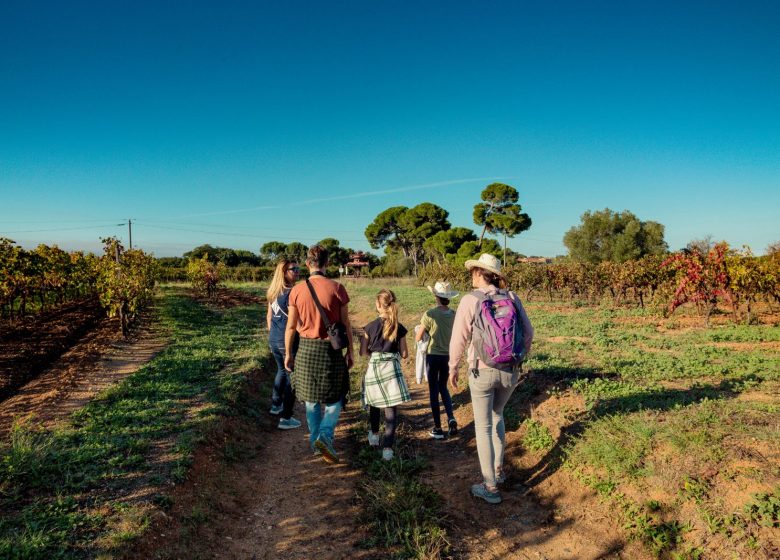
{"x": 481, "y": 296}
{"x": 319, "y": 305}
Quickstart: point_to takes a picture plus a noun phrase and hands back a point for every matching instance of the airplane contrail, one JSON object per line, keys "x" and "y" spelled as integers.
{"x": 346, "y": 196}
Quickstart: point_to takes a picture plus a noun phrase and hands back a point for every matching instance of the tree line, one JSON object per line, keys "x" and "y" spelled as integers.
{"x": 409, "y": 237}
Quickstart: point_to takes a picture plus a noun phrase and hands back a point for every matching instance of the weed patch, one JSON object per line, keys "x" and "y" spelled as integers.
{"x": 406, "y": 516}
{"x": 537, "y": 437}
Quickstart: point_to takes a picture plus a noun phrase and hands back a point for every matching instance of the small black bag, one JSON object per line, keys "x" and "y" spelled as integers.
{"x": 337, "y": 332}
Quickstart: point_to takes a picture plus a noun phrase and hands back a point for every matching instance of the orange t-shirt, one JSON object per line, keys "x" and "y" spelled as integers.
{"x": 332, "y": 296}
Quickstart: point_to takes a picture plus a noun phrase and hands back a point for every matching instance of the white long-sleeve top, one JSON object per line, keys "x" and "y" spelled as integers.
{"x": 420, "y": 361}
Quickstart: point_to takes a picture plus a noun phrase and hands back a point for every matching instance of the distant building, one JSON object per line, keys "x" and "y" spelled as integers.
{"x": 538, "y": 260}
{"x": 357, "y": 261}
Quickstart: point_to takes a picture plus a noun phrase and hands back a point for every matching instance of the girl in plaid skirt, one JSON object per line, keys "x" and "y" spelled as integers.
{"x": 384, "y": 385}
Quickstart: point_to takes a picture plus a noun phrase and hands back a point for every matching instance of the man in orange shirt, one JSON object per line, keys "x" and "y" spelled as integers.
{"x": 321, "y": 374}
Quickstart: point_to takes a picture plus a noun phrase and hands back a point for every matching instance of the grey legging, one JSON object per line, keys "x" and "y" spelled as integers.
{"x": 490, "y": 390}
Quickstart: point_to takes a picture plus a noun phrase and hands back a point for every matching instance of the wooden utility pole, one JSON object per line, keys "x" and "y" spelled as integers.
{"x": 130, "y": 232}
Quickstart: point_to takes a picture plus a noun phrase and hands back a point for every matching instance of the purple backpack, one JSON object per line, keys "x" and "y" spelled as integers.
{"x": 497, "y": 331}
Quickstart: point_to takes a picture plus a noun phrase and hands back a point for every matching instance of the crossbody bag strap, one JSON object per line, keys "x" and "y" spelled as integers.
{"x": 318, "y": 304}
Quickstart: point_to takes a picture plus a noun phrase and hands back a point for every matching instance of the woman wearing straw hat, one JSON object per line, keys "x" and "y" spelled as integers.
{"x": 490, "y": 387}
{"x": 437, "y": 322}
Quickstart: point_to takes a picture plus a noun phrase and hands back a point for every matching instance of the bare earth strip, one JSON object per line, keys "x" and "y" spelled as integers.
{"x": 285, "y": 503}
{"x": 281, "y": 503}
{"x": 97, "y": 361}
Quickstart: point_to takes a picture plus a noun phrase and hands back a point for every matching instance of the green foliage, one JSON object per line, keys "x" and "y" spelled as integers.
{"x": 125, "y": 281}
{"x": 297, "y": 252}
{"x": 273, "y": 251}
{"x": 614, "y": 236}
{"x": 337, "y": 255}
{"x": 32, "y": 280}
{"x": 472, "y": 250}
{"x": 407, "y": 229}
{"x": 499, "y": 212}
{"x": 447, "y": 242}
{"x": 224, "y": 255}
{"x": 172, "y": 262}
{"x": 386, "y": 229}
{"x": 537, "y": 437}
{"x": 764, "y": 509}
{"x": 204, "y": 275}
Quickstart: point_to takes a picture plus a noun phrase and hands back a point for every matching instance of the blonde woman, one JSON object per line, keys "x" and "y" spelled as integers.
{"x": 282, "y": 398}
{"x": 384, "y": 385}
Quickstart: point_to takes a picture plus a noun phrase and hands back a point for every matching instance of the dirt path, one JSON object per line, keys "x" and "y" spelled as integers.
{"x": 283, "y": 502}
{"x": 278, "y": 501}
{"x": 98, "y": 360}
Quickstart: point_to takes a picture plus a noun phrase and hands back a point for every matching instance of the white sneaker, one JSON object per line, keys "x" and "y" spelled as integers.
{"x": 387, "y": 454}
{"x": 373, "y": 439}
{"x": 276, "y": 409}
{"x": 289, "y": 424}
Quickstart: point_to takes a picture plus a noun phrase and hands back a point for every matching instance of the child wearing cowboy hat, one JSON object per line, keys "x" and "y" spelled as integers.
{"x": 437, "y": 323}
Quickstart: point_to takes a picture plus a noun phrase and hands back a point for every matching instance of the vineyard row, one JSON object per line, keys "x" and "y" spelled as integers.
{"x": 736, "y": 279}
{"x": 122, "y": 280}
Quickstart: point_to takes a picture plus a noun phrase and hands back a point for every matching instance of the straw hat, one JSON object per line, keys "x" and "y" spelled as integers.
{"x": 443, "y": 290}
{"x": 486, "y": 261}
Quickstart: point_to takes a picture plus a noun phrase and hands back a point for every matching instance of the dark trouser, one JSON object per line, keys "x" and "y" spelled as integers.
{"x": 391, "y": 421}
{"x": 438, "y": 373}
{"x": 283, "y": 393}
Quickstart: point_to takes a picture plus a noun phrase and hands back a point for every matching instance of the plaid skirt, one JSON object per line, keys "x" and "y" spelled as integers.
{"x": 384, "y": 384}
{"x": 321, "y": 373}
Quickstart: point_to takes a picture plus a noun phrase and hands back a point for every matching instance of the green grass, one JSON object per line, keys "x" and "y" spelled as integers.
{"x": 60, "y": 488}
{"x": 537, "y": 436}
{"x": 404, "y": 514}
{"x": 666, "y": 410}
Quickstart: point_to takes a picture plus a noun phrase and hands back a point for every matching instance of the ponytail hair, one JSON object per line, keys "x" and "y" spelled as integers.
{"x": 388, "y": 311}
{"x": 492, "y": 278}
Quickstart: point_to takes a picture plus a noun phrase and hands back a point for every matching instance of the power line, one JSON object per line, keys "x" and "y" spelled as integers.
{"x": 233, "y": 234}
{"x": 61, "y": 229}
{"x": 51, "y": 221}
{"x": 226, "y": 226}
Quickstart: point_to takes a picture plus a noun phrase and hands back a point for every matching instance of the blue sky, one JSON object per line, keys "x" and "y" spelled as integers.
{"x": 224, "y": 122}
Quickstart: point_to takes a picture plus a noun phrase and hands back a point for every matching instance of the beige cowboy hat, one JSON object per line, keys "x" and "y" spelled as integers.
{"x": 486, "y": 261}
{"x": 443, "y": 290}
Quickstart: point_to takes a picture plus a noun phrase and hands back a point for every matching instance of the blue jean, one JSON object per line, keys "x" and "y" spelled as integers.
{"x": 438, "y": 374}
{"x": 322, "y": 423}
{"x": 282, "y": 392}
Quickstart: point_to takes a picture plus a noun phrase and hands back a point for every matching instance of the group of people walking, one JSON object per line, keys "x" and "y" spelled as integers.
{"x": 490, "y": 325}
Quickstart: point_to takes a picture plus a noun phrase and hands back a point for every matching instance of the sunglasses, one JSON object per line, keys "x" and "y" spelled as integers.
{"x": 294, "y": 268}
